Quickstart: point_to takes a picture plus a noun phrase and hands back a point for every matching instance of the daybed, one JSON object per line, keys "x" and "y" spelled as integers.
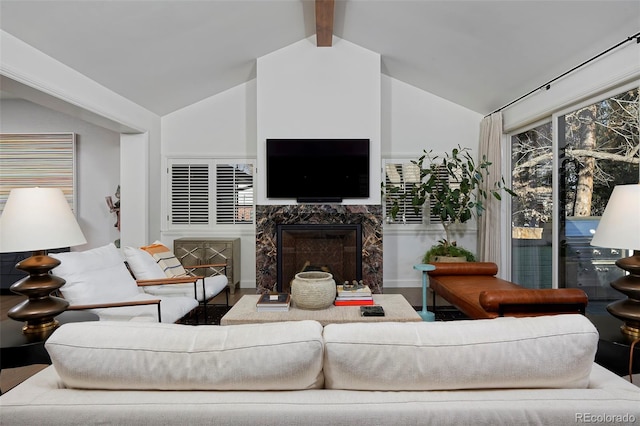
{"x": 511, "y": 371}
{"x": 473, "y": 288}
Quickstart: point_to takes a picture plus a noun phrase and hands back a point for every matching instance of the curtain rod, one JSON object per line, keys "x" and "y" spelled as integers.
{"x": 547, "y": 85}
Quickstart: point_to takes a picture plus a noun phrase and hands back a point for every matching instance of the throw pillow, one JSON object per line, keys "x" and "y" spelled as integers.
{"x": 166, "y": 259}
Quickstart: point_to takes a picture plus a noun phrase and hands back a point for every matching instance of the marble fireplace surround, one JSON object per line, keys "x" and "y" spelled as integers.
{"x": 269, "y": 216}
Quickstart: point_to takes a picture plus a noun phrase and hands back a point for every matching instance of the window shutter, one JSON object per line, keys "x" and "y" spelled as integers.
{"x": 402, "y": 176}
{"x": 190, "y": 194}
{"x": 443, "y": 179}
{"x": 234, "y": 193}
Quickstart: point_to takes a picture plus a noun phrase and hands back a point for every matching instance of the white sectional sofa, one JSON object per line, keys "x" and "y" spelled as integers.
{"x": 510, "y": 371}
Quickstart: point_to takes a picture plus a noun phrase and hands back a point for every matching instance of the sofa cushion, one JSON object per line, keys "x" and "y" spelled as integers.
{"x": 97, "y": 275}
{"x": 537, "y": 352}
{"x": 142, "y": 264}
{"x": 115, "y": 355}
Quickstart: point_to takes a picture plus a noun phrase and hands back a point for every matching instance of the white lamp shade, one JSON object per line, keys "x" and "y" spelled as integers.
{"x": 38, "y": 219}
{"x": 619, "y": 226}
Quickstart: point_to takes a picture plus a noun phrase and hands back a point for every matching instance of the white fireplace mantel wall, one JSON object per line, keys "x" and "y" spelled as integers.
{"x": 304, "y": 91}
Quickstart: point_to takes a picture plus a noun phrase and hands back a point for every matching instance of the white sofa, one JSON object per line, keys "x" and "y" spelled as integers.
{"x": 510, "y": 371}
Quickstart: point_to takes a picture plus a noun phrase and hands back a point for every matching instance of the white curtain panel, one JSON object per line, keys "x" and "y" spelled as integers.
{"x": 489, "y": 223}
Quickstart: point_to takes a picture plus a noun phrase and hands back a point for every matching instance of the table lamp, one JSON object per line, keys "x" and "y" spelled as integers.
{"x": 619, "y": 228}
{"x": 38, "y": 219}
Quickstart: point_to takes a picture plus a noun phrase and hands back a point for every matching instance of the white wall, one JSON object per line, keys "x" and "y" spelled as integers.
{"x": 221, "y": 126}
{"x": 403, "y": 118}
{"x": 304, "y": 91}
{"x": 32, "y": 75}
{"x": 414, "y": 120}
{"x": 614, "y": 69}
{"x": 98, "y": 163}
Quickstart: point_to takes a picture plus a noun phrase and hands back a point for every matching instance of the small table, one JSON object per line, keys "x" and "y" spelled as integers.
{"x": 614, "y": 348}
{"x": 18, "y": 351}
{"x": 425, "y": 267}
{"x": 396, "y": 308}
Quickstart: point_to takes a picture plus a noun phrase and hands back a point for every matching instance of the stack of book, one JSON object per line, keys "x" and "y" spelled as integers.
{"x": 273, "y": 302}
{"x": 356, "y": 297}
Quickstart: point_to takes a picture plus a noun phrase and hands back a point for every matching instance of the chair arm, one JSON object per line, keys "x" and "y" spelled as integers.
{"x": 211, "y": 265}
{"x": 113, "y": 304}
{"x": 164, "y": 281}
{"x": 118, "y": 305}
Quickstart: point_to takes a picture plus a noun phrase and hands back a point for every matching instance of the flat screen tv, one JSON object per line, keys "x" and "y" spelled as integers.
{"x": 317, "y": 170}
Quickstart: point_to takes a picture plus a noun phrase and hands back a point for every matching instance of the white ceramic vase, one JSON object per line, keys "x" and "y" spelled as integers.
{"x": 313, "y": 290}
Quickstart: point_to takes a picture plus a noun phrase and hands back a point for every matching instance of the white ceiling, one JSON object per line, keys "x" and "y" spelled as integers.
{"x": 167, "y": 54}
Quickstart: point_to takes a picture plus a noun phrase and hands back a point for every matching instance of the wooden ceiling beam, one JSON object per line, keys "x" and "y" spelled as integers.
{"x": 324, "y": 22}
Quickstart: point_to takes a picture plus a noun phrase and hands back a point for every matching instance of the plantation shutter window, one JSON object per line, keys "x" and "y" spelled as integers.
{"x": 402, "y": 176}
{"x": 443, "y": 180}
{"x": 190, "y": 194}
{"x": 207, "y": 191}
{"x": 234, "y": 193}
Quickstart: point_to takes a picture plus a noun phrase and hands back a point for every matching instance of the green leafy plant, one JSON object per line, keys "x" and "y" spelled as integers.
{"x": 452, "y": 186}
{"x": 450, "y": 249}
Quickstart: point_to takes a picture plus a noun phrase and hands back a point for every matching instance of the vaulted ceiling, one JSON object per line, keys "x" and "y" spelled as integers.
{"x": 167, "y": 54}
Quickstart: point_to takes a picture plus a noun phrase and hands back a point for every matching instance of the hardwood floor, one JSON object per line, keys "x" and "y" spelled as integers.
{"x": 11, "y": 377}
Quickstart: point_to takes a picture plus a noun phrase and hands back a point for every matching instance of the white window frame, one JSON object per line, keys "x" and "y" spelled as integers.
{"x": 212, "y": 164}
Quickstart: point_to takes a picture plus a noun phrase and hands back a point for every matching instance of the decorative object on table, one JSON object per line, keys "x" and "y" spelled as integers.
{"x": 115, "y": 208}
{"x": 451, "y": 186}
{"x": 313, "y": 290}
{"x": 424, "y": 313}
{"x": 38, "y": 219}
{"x": 619, "y": 228}
{"x": 354, "y": 294}
{"x": 269, "y": 302}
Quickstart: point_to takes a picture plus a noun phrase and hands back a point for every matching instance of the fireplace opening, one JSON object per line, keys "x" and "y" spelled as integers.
{"x": 334, "y": 248}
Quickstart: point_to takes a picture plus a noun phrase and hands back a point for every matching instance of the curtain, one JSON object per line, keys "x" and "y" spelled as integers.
{"x": 489, "y": 222}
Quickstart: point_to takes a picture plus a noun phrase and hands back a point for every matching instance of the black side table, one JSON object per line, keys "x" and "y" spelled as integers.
{"x": 614, "y": 348}
{"x": 18, "y": 351}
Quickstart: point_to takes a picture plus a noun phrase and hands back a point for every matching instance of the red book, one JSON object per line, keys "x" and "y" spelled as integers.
{"x": 353, "y": 302}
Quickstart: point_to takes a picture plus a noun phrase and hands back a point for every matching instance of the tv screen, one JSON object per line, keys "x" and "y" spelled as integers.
{"x": 317, "y": 170}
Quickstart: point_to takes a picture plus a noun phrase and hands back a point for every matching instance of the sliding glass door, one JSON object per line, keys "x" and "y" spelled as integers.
{"x": 598, "y": 149}
{"x": 592, "y": 147}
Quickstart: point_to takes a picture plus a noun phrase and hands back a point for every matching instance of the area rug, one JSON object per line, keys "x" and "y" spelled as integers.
{"x": 196, "y": 317}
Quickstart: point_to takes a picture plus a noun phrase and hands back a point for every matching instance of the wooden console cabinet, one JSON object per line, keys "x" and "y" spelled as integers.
{"x": 200, "y": 251}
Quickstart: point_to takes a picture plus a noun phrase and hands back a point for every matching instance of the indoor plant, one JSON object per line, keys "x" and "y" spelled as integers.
{"x": 452, "y": 186}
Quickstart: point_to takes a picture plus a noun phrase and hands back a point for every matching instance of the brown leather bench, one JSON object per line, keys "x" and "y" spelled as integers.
{"x": 473, "y": 288}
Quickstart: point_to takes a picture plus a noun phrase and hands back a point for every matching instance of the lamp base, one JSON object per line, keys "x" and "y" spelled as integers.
{"x": 40, "y": 308}
{"x": 628, "y": 310}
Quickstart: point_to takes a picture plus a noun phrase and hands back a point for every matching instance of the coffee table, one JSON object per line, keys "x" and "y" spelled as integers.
{"x": 395, "y": 306}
